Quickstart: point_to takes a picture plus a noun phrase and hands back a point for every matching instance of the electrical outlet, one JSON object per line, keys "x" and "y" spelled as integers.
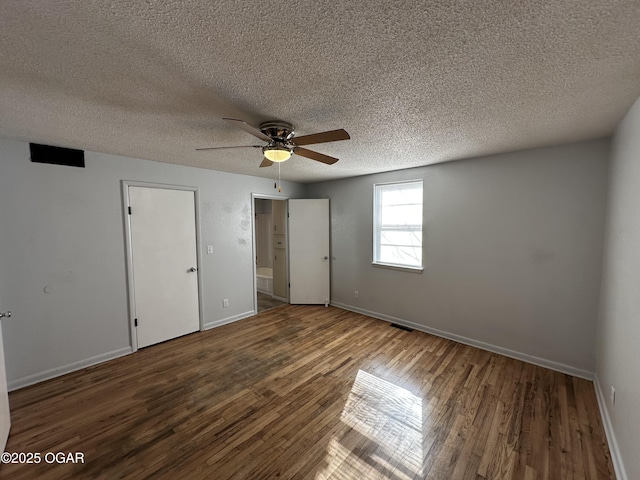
{"x": 225, "y": 303}
{"x": 355, "y": 294}
{"x": 209, "y": 249}
{"x": 613, "y": 396}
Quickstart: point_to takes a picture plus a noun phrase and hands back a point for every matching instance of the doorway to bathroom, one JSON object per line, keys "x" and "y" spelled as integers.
{"x": 271, "y": 253}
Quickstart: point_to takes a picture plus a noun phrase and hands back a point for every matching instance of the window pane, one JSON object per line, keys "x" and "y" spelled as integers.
{"x": 408, "y": 256}
{"x": 398, "y": 224}
{"x": 401, "y": 194}
{"x": 401, "y": 215}
{"x": 401, "y": 238}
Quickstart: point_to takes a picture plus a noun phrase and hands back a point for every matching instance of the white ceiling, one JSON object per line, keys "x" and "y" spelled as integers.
{"x": 413, "y": 82}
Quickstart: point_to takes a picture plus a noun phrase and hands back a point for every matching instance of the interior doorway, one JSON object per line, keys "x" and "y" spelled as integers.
{"x": 271, "y": 252}
{"x": 163, "y": 259}
{"x": 292, "y": 251}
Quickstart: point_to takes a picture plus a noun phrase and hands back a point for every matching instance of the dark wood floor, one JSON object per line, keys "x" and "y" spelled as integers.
{"x": 312, "y": 392}
{"x": 267, "y": 302}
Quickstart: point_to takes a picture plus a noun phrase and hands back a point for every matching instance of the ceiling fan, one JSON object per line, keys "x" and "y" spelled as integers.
{"x": 282, "y": 142}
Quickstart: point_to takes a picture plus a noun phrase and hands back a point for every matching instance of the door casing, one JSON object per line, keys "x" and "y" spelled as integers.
{"x": 129, "y": 252}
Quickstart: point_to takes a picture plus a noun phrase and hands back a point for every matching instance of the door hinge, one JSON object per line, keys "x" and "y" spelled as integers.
{"x": 129, "y": 210}
{"x": 287, "y": 214}
{"x": 289, "y": 285}
{"x": 135, "y": 322}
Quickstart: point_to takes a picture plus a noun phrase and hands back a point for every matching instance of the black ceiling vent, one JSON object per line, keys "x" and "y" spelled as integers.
{"x": 56, "y": 155}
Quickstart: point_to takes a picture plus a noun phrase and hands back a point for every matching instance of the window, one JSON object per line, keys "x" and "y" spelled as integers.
{"x": 397, "y": 224}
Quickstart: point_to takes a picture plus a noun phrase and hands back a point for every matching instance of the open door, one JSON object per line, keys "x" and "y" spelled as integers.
{"x": 309, "y": 265}
{"x": 5, "y": 417}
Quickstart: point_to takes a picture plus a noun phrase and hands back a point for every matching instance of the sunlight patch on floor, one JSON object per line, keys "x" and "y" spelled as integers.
{"x": 381, "y": 434}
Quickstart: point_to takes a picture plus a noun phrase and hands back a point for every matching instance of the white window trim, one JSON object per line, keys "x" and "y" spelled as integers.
{"x": 393, "y": 266}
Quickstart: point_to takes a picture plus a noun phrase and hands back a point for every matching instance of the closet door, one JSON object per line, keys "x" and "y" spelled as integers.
{"x": 165, "y": 270}
{"x": 309, "y": 265}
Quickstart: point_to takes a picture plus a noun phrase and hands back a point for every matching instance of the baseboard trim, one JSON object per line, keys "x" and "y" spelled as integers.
{"x": 104, "y": 357}
{"x": 224, "y": 321}
{"x": 616, "y": 458}
{"x": 541, "y": 362}
{"x": 64, "y": 369}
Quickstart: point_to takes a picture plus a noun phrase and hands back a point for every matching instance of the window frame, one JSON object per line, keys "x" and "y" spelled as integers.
{"x": 377, "y": 210}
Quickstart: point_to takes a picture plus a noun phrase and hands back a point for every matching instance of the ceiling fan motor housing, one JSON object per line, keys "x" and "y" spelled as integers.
{"x": 278, "y": 130}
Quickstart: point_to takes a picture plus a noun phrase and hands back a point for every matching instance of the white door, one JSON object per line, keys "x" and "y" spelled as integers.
{"x": 164, "y": 257}
{"x": 5, "y": 417}
{"x": 309, "y": 269}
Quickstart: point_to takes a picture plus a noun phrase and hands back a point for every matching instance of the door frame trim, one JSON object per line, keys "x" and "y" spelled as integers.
{"x": 262, "y": 196}
{"x": 129, "y": 251}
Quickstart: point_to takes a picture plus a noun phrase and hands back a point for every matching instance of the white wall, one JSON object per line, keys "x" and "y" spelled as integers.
{"x": 512, "y": 252}
{"x": 63, "y": 227}
{"x": 619, "y": 332}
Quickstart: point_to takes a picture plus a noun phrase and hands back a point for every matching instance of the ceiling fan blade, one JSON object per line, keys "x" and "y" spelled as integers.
{"x": 248, "y": 128}
{"x": 266, "y": 162}
{"x": 320, "y": 157}
{"x": 330, "y": 136}
{"x": 238, "y": 146}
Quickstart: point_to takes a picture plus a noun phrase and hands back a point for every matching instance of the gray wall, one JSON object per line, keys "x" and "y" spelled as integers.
{"x": 512, "y": 252}
{"x": 512, "y": 249}
{"x": 619, "y": 333}
{"x": 62, "y": 228}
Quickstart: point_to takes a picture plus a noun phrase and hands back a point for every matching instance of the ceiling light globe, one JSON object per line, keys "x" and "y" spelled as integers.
{"x": 277, "y": 154}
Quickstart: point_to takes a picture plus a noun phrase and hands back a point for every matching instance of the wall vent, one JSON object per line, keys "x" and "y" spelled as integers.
{"x": 401, "y": 327}
{"x": 56, "y": 155}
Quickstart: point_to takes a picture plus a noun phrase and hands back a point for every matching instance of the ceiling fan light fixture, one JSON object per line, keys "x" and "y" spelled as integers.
{"x": 277, "y": 153}
{"x": 282, "y": 142}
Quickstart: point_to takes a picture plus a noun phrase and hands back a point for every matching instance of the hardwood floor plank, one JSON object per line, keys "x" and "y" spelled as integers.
{"x": 312, "y": 392}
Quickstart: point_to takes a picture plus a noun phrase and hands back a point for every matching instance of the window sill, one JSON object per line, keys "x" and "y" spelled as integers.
{"x": 390, "y": 266}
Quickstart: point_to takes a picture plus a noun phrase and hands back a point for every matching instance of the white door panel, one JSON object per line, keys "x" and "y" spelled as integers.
{"x": 163, "y": 244}
{"x": 309, "y": 265}
{"x": 5, "y": 416}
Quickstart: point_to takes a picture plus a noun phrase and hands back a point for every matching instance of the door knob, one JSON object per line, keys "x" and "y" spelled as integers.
{"x": 325, "y": 257}
{"x": 192, "y": 269}
{"x": 5, "y": 314}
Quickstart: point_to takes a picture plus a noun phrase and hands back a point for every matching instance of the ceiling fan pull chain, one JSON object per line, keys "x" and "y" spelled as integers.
{"x": 279, "y": 182}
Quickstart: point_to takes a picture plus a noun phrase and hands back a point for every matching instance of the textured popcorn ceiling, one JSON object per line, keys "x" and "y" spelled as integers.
{"x": 413, "y": 82}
